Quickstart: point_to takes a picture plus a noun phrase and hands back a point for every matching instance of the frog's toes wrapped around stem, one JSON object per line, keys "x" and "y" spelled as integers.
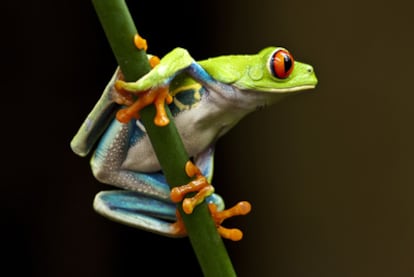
{"x": 203, "y": 189}
{"x": 129, "y": 95}
{"x": 140, "y": 42}
{"x": 159, "y": 96}
{"x": 199, "y": 185}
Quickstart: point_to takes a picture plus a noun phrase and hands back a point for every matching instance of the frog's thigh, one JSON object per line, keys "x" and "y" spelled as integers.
{"x": 109, "y": 156}
{"x": 138, "y": 211}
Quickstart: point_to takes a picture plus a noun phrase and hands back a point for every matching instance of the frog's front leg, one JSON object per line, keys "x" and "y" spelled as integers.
{"x": 159, "y": 96}
{"x": 154, "y": 87}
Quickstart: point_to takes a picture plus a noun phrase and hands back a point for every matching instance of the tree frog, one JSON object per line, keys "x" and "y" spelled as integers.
{"x": 206, "y": 98}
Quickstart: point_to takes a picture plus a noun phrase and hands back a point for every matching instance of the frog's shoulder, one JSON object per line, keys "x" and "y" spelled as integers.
{"x": 223, "y": 68}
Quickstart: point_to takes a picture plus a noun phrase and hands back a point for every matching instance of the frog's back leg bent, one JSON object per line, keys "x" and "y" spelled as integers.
{"x": 110, "y": 154}
{"x": 146, "y": 199}
{"x": 145, "y": 204}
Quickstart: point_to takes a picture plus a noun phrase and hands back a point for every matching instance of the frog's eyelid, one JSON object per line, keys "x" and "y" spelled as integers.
{"x": 269, "y": 62}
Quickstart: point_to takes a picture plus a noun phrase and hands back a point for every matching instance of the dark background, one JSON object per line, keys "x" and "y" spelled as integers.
{"x": 329, "y": 173}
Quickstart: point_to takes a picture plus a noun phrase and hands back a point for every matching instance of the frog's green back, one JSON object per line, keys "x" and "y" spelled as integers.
{"x": 228, "y": 69}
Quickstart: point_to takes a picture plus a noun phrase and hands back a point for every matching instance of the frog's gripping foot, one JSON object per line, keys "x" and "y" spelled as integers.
{"x": 199, "y": 185}
{"x": 159, "y": 96}
{"x": 204, "y": 189}
{"x": 234, "y": 234}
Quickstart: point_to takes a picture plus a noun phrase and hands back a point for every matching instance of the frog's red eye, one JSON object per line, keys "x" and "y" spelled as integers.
{"x": 281, "y": 64}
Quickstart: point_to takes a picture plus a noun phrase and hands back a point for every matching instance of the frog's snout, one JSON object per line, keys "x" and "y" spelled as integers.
{"x": 311, "y": 73}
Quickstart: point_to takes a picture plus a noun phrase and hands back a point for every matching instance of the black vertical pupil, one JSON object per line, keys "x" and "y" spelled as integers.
{"x": 288, "y": 62}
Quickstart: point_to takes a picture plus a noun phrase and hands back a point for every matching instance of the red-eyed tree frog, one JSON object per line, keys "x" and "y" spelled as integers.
{"x": 206, "y": 98}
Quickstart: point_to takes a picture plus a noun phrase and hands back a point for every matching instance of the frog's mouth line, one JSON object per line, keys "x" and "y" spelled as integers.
{"x": 292, "y": 89}
{"x": 279, "y": 90}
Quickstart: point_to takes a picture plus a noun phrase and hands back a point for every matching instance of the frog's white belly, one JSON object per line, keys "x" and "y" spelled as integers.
{"x": 199, "y": 127}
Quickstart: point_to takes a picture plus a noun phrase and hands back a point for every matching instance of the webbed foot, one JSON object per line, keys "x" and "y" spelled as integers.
{"x": 203, "y": 189}
{"x": 241, "y": 208}
{"x": 199, "y": 185}
{"x": 158, "y": 96}
{"x": 126, "y": 92}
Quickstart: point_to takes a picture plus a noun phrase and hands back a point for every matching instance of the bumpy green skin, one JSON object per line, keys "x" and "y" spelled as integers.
{"x": 210, "y": 97}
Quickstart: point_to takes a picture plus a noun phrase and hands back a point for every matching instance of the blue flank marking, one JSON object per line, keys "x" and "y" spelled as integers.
{"x": 201, "y": 74}
{"x": 136, "y": 134}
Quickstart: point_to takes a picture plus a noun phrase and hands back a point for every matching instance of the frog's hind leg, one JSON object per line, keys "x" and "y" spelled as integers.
{"x": 107, "y": 163}
{"x": 138, "y": 211}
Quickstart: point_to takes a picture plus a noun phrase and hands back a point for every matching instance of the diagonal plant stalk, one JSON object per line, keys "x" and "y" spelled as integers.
{"x": 207, "y": 243}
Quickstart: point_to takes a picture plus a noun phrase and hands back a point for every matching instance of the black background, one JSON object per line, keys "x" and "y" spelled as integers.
{"x": 329, "y": 172}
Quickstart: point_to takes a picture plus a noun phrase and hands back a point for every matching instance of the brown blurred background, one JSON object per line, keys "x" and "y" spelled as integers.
{"x": 330, "y": 173}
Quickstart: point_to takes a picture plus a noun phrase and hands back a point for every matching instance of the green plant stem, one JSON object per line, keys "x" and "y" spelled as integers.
{"x": 207, "y": 244}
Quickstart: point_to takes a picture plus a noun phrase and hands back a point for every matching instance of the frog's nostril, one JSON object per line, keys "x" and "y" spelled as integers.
{"x": 310, "y": 69}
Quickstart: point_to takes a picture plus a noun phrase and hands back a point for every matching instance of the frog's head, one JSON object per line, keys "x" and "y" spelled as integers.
{"x": 275, "y": 71}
